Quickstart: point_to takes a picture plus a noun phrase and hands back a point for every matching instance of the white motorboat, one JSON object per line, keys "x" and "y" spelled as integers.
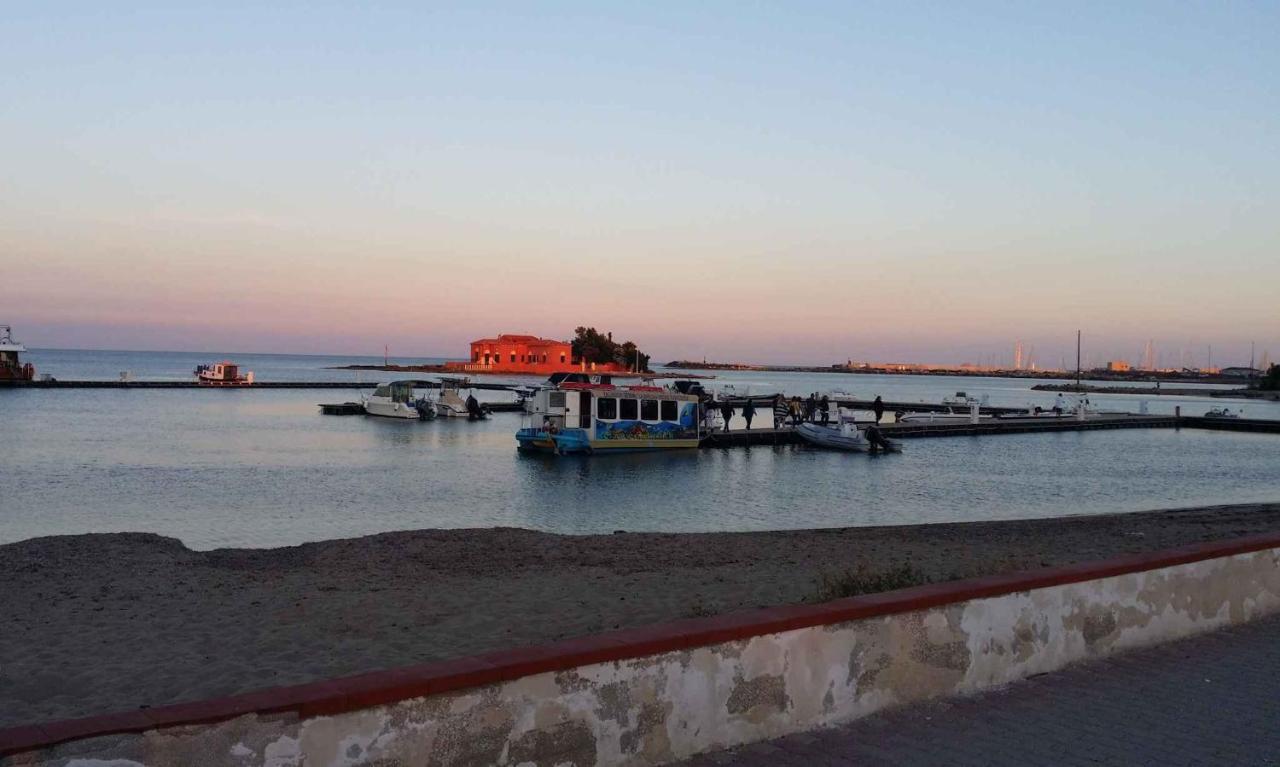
{"x": 846, "y": 436}
{"x": 961, "y": 399}
{"x": 452, "y": 404}
{"x": 397, "y": 400}
{"x": 948, "y": 417}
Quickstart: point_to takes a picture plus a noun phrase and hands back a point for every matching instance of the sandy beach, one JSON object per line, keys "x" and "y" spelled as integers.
{"x": 97, "y": 623}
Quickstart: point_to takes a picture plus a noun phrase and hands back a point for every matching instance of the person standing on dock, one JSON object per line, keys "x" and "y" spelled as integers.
{"x": 780, "y": 410}
{"x": 748, "y": 412}
{"x": 824, "y": 407}
{"x": 796, "y": 411}
{"x": 878, "y": 406}
{"x": 726, "y": 412}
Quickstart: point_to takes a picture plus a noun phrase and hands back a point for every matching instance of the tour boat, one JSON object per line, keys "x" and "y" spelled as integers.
{"x": 12, "y": 368}
{"x": 396, "y": 400}
{"x": 595, "y": 418}
{"x": 223, "y": 373}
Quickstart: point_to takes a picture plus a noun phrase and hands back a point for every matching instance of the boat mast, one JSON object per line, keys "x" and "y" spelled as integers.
{"x": 1077, "y": 360}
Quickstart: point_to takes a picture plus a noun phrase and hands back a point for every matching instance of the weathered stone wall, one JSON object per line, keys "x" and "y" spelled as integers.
{"x": 658, "y": 708}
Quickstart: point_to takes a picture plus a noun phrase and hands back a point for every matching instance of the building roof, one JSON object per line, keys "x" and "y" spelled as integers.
{"x": 518, "y": 339}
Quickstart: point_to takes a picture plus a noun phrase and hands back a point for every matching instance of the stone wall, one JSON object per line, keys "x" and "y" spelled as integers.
{"x": 653, "y": 696}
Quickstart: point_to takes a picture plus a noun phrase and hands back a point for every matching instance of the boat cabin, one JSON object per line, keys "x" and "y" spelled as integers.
{"x": 11, "y": 367}
{"x": 222, "y": 374}
{"x": 396, "y": 391}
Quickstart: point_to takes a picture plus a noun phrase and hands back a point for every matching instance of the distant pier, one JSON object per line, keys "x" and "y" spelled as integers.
{"x": 787, "y": 435}
{"x": 236, "y": 387}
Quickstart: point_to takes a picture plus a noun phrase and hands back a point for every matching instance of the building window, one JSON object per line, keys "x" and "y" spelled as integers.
{"x": 544, "y": 359}
{"x": 486, "y": 359}
{"x": 648, "y": 410}
{"x": 628, "y": 410}
{"x": 670, "y": 410}
{"x": 607, "y": 408}
{"x": 513, "y": 357}
{"x": 562, "y": 358}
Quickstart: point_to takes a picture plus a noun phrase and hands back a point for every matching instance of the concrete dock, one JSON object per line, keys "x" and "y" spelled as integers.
{"x": 786, "y": 435}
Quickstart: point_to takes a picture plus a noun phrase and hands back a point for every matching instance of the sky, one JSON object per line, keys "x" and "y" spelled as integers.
{"x": 766, "y": 182}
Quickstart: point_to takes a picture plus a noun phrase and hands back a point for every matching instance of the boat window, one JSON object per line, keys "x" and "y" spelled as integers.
{"x": 556, "y": 399}
{"x": 382, "y": 391}
{"x": 648, "y": 410}
{"x": 607, "y": 408}
{"x": 628, "y": 411}
{"x": 670, "y": 410}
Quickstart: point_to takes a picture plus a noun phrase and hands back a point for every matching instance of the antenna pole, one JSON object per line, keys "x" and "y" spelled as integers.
{"x": 1077, "y": 360}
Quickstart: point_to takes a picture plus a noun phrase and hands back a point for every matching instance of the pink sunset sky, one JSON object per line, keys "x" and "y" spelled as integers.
{"x": 796, "y": 189}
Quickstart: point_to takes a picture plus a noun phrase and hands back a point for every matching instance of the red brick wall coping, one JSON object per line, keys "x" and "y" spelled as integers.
{"x": 337, "y": 696}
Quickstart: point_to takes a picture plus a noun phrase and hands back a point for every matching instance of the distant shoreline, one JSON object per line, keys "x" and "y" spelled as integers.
{"x": 1160, "y": 392}
{"x": 1093, "y": 375}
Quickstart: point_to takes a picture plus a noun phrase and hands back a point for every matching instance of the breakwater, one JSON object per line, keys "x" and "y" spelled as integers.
{"x": 128, "y": 384}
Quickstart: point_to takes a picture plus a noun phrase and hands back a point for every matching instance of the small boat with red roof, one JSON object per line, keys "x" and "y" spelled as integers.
{"x": 13, "y": 369}
{"x": 225, "y": 373}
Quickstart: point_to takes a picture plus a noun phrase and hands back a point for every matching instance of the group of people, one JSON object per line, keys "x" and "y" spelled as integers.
{"x": 813, "y": 409}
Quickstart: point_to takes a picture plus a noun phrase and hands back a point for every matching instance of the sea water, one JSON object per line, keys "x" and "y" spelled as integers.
{"x": 258, "y": 468}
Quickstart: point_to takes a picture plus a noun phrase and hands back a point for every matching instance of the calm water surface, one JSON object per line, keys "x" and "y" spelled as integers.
{"x": 263, "y": 468}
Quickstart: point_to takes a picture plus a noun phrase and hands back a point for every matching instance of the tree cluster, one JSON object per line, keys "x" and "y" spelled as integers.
{"x": 593, "y": 346}
{"x": 1271, "y": 381}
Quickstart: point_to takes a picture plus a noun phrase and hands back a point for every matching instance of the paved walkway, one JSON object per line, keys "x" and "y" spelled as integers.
{"x": 1208, "y": 700}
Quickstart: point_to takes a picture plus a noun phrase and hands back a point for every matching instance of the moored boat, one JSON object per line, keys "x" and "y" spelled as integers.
{"x": 947, "y": 417}
{"x": 225, "y": 373}
{"x": 962, "y": 399}
{"x": 397, "y": 399}
{"x": 12, "y": 369}
{"x": 1222, "y": 412}
{"x": 451, "y": 403}
{"x": 594, "y": 418}
{"x": 846, "y": 437}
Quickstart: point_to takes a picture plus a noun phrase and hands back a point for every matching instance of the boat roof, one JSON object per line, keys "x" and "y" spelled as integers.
{"x": 609, "y": 390}
{"x": 7, "y": 344}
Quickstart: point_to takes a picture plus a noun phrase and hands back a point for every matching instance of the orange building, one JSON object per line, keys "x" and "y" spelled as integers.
{"x": 510, "y": 353}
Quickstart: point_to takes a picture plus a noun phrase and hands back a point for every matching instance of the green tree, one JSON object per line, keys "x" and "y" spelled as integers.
{"x": 591, "y": 345}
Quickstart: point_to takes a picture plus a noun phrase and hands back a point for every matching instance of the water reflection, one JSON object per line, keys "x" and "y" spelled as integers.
{"x": 263, "y": 468}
